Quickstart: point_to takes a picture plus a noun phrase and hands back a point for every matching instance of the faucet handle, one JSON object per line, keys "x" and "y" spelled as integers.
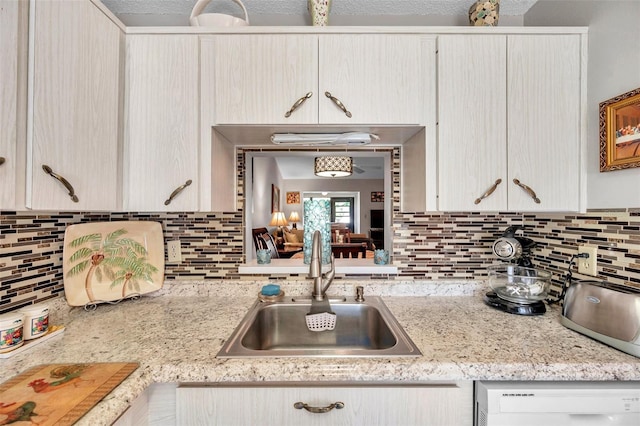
{"x": 359, "y": 294}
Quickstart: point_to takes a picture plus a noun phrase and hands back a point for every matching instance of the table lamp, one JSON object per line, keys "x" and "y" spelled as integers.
{"x": 293, "y": 218}
{"x": 278, "y": 219}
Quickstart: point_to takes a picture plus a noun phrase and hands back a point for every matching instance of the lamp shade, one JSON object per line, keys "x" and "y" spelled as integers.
{"x": 294, "y": 217}
{"x": 333, "y": 166}
{"x": 278, "y": 219}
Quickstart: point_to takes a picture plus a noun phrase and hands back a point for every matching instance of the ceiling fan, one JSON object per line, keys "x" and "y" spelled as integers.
{"x": 362, "y": 169}
{"x": 357, "y": 169}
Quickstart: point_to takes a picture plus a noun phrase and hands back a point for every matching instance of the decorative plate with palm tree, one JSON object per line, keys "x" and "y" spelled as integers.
{"x": 109, "y": 261}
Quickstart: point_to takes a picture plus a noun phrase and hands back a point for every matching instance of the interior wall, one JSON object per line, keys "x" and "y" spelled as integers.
{"x": 265, "y": 173}
{"x": 613, "y": 69}
{"x": 363, "y": 186}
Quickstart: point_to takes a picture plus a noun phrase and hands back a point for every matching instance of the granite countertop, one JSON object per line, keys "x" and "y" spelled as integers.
{"x": 175, "y": 334}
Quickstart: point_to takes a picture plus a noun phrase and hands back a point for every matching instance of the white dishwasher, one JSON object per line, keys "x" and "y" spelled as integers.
{"x": 505, "y": 403}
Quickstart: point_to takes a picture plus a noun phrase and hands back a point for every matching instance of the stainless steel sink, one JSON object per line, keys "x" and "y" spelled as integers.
{"x": 363, "y": 329}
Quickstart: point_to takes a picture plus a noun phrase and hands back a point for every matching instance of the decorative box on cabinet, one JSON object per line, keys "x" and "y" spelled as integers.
{"x": 162, "y": 134}
{"x": 448, "y": 404}
{"x": 291, "y": 78}
{"x": 510, "y": 131}
{"x": 75, "y": 106}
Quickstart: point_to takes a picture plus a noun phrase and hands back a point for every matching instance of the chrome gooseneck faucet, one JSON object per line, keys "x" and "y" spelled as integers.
{"x": 315, "y": 269}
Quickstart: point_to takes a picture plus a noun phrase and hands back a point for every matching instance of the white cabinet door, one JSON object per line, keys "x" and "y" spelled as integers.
{"x": 544, "y": 121}
{"x": 370, "y": 405}
{"x": 161, "y": 141}
{"x": 258, "y": 78}
{"x": 265, "y": 79}
{"x": 13, "y": 34}
{"x": 379, "y": 78}
{"x": 510, "y": 110}
{"x": 75, "y": 108}
{"x": 472, "y": 144}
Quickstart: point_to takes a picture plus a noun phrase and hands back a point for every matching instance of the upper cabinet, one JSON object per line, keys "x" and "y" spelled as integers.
{"x": 255, "y": 79}
{"x": 510, "y": 133}
{"x": 161, "y": 139}
{"x": 544, "y": 128}
{"x": 13, "y": 37}
{"x": 72, "y": 154}
{"x": 317, "y": 79}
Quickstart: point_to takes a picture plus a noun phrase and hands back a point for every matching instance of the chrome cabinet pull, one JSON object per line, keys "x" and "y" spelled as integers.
{"x": 528, "y": 190}
{"x": 2, "y": 160}
{"x": 175, "y": 193}
{"x": 298, "y": 103}
{"x": 72, "y": 192}
{"x": 338, "y": 103}
{"x": 489, "y": 191}
{"x": 319, "y": 410}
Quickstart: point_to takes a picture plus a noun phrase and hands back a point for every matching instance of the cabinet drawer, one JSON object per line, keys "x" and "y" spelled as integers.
{"x": 364, "y": 404}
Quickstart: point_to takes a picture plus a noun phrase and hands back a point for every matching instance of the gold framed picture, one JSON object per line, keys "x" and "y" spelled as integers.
{"x": 293, "y": 198}
{"x": 620, "y": 132}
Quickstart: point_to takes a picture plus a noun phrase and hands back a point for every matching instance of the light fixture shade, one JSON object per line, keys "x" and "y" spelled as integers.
{"x": 333, "y": 166}
{"x": 294, "y": 217}
{"x": 278, "y": 219}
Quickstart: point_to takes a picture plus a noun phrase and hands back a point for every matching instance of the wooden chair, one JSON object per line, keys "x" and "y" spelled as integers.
{"x": 345, "y": 232}
{"x": 254, "y": 233}
{"x": 352, "y": 251}
{"x": 263, "y": 240}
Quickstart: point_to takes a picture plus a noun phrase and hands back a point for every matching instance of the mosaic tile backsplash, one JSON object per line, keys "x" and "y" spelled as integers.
{"x": 426, "y": 246}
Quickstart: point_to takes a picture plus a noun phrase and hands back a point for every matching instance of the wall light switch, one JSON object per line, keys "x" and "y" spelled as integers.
{"x": 588, "y": 266}
{"x": 174, "y": 251}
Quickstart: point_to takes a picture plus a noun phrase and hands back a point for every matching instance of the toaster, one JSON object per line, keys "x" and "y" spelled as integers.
{"x": 606, "y": 312}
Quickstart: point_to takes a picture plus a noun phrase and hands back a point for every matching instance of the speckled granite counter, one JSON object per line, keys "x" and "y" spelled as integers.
{"x": 175, "y": 334}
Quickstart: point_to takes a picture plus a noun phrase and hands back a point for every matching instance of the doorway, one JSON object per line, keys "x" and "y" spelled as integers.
{"x": 342, "y": 211}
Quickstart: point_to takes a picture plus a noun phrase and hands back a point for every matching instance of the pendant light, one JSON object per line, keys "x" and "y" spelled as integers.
{"x": 333, "y": 166}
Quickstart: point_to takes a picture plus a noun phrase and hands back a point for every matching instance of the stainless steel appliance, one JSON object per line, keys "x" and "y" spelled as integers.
{"x": 518, "y": 288}
{"x": 557, "y": 403}
{"x": 606, "y": 312}
{"x": 510, "y": 247}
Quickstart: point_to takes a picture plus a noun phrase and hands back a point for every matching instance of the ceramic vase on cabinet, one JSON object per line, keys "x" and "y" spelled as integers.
{"x": 484, "y": 13}
{"x": 319, "y": 11}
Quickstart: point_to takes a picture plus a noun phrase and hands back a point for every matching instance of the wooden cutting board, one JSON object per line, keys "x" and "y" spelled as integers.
{"x": 59, "y": 394}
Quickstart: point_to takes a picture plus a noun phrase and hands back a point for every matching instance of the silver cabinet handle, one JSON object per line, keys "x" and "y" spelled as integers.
{"x": 297, "y": 104}
{"x": 528, "y": 190}
{"x": 2, "y": 160}
{"x": 489, "y": 191}
{"x": 319, "y": 410}
{"x": 72, "y": 192}
{"x": 177, "y": 191}
{"x": 338, "y": 103}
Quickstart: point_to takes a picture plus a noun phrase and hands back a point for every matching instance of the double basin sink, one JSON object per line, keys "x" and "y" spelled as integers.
{"x": 279, "y": 329}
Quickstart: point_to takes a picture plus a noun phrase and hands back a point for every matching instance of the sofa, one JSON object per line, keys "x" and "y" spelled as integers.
{"x": 293, "y": 237}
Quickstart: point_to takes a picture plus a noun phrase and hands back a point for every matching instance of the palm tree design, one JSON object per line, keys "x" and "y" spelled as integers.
{"x": 132, "y": 270}
{"x": 103, "y": 257}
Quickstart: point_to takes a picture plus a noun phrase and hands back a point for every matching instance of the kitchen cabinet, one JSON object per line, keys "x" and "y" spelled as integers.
{"x": 75, "y": 68}
{"x": 13, "y": 45}
{"x": 279, "y": 79}
{"x": 162, "y": 134}
{"x": 156, "y": 406}
{"x": 446, "y": 404}
{"x": 510, "y": 110}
